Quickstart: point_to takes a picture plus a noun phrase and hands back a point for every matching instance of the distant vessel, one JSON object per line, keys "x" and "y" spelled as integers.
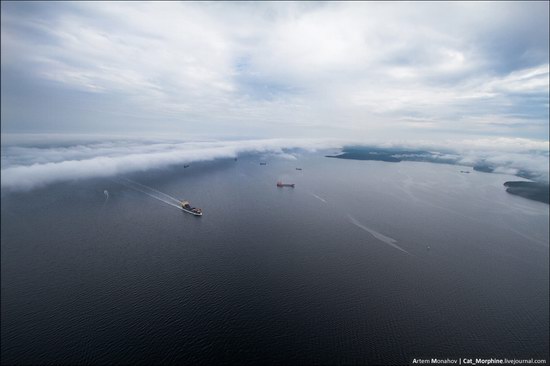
{"x": 186, "y": 166}
{"x": 298, "y": 168}
{"x": 281, "y": 184}
{"x": 263, "y": 163}
{"x": 185, "y": 206}
{"x": 465, "y": 171}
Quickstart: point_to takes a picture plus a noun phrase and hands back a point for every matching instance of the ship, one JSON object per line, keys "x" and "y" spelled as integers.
{"x": 186, "y": 166}
{"x": 263, "y": 163}
{"x": 185, "y": 206}
{"x": 281, "y": 184}
{"x": 298, "y": 168}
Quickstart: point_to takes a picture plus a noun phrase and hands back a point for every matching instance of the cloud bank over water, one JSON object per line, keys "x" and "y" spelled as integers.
{"x": 25, "y": 167}
{"x": 34, "y": 161}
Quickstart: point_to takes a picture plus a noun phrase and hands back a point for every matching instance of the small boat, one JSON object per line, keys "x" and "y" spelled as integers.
{"x": 281, "y": 184}
{"x": 186, "y": 166}
{"x": 185, "y": 206}
{"x": 263, "y": 163}
{"x": 298, "y": 168}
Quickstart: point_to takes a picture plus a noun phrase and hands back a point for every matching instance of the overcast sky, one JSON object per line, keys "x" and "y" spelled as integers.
{"x": 277, "y": 69}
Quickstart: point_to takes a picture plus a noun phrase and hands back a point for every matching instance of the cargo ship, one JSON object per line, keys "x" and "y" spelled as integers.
{"x": 281, "y": 184}
{"x": 185, "y": 206}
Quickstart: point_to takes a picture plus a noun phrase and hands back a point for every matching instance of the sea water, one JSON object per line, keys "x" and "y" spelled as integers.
{"x": 361, "y": 262}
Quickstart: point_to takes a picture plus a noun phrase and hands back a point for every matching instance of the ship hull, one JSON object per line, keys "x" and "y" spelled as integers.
{"x": 285, "y": 185}
{"x": 191, "y": 212}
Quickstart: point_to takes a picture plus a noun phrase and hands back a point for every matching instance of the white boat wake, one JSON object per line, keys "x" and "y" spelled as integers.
{"x": 383, "y": 238}
{"x": 132, "y": 185}
{"x": 106, "y": 193}
{"x": 319, "y": 198}
{"x": 152, "y": 190}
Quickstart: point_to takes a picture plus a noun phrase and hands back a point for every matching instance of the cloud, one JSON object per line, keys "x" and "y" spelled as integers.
{"x": 26, "y": 167}
{"x": 503, "y": 154}
{"x": 31, "y": 161}
{"x": 277, "y": 69}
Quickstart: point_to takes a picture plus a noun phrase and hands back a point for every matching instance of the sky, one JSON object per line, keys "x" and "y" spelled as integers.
{"x": 96, "y": 89}
{"x": 247, "y": 70}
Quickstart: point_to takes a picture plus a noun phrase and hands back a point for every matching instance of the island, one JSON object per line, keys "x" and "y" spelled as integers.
{"x": 391, "y": 155}
{"x": 537, "y": 191}
{"x": 531, "y": 190}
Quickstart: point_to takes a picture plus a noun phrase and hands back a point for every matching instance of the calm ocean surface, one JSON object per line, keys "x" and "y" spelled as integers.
{"x": 362, "y": 262}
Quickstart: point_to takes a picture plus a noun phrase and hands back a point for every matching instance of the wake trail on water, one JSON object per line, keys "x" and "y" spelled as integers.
{"x": 383, "y": 238}
{"x": 106, "y": 193}
{"x": 150, "y": 195}
{"x": 152, "y": 189}
{"x": 319, "y": 198}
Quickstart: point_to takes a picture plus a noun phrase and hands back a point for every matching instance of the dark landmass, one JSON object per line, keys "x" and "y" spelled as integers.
{"x": 391, "y": 155}
{"x": 396, "y": 155}
{"x": 537, "y": 191}
{"x": 530, "y": 190}
{"x": 487, "y": 168}
{"x": 356, "y": 156}
{"x": 484, "y": 168}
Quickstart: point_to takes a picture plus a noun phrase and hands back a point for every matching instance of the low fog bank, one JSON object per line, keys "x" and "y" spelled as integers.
{"x": 30, "y": 161}
{"x": 26, "y": 165}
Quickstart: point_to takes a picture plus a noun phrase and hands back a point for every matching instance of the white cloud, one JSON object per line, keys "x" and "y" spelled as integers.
{"x": 31, "y": 161}
{"x": 26, "y": 167}
{"x": 507, "y": 144}
{"x": 360, "y": 67}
